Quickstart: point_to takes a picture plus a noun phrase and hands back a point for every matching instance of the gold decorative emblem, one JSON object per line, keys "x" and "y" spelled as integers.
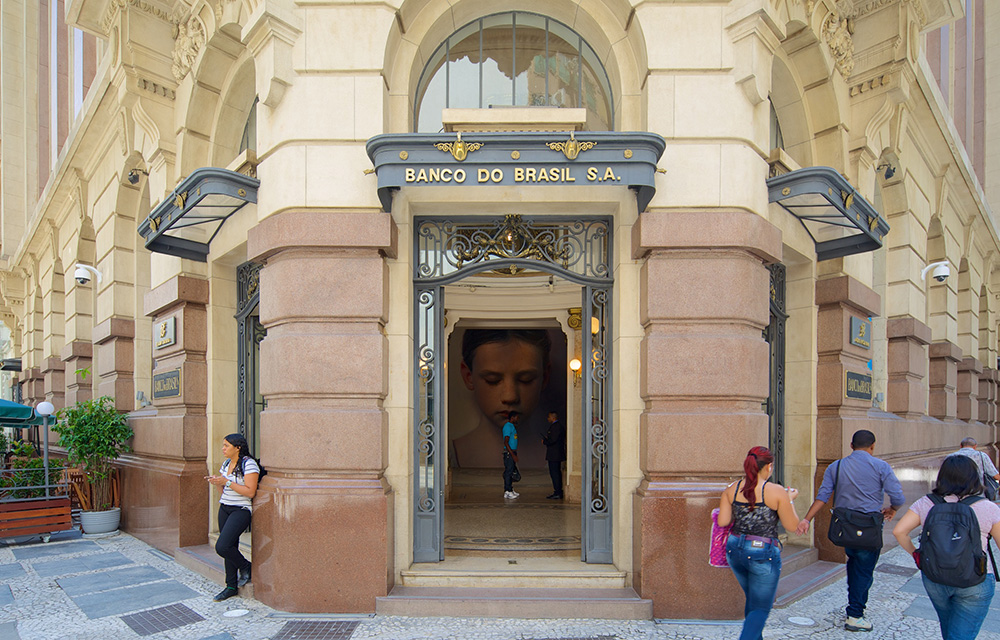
{"x": 848, "y": 199}
{"x": 628, "y": 154}
{"x": 872, "y": 224}
{"x": 786, "y": 191}
{"x": 163, "y": 329}
{"x": 403, "y": 155}
{"x": 572, "y": 147}
{"x": 242, "y": 192}
{"x": 154, "y": 223}
{"x": 180, "y": 199}
{"x": 459, "y": 149}
{"x": 515, "y": 155}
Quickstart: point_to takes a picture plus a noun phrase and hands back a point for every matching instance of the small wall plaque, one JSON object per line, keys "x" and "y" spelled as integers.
{"x": 164, "y": 333}
{"x": 861, "y": 332}
{"x": 858, "y": 386}
{"x": 167, "y": 384}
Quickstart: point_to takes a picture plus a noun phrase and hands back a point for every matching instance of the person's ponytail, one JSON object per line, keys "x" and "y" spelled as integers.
{"x": 756, "y": 459}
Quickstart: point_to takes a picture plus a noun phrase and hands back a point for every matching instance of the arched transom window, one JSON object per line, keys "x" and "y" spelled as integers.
{"x": 514, "y": 59}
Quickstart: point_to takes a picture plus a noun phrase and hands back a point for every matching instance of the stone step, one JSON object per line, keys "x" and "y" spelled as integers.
{"x": 609, "y": 604}
{"x": 795, "y": 557}
{"x": 520, "y": 578}
{"x": 203, "y": 559}
{"x": 809, "y": 579}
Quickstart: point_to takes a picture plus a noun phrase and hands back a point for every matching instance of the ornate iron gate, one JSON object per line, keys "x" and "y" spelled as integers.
{"x": 449, "y": 249}
{"x": 250, "y": 332}
{"x": 774, "y": 333}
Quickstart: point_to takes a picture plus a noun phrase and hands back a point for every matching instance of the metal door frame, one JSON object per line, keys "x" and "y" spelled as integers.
{"x": 448, "y": 249}
{"x": 774, "y": 334}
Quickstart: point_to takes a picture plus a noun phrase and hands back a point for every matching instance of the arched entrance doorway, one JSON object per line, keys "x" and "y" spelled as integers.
{"x": 448, "y": 249}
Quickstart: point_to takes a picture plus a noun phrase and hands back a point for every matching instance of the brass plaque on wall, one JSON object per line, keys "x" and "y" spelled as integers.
{"x": 167, "y": 384}
{"x": 858, "y": 386}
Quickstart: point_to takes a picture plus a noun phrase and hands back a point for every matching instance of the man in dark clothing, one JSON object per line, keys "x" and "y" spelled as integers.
{"x": 862, "y": 485}
{"x": 555, "y": 453}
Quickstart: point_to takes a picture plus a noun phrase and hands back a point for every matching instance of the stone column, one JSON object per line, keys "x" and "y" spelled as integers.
{"x": 906, "y": 395}
{"x": 967, "y": 390}
{"x": 115, "y": 361}
{"x": 838, "y": 416}
{"x": 163, "y": 479}
{"x": 54, "y": 380}
{"x": 943, "y": 399}
{"x": 78, "y": 355}
{"x": 324, "y": 376}
{"x": 703, "y": 370}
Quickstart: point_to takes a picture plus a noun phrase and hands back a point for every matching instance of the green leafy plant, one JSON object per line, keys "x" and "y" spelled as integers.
{"x": 27, "y": 469}
{"x": 94, "y": 434}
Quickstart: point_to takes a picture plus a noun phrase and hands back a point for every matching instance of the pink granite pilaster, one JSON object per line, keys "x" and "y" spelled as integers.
{"x": 78, "y": 356}
{"x": 704, "y": 300}
{"x": 324, "y": 374}
{"x": 906, "y": 395}
{"x": 838, "y": 416}
{"x": 988, "y": 396}
{"x": 967, "y": 390}
{"x": 943, "y": 400}
{"x": 114, "y": 344}
{"x": 165, "y": 498}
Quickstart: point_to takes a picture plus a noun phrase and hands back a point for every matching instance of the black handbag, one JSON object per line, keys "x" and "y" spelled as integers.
{"x": 516, "y": 475}
{"x": 853, "y": 528}
{"x": 990, "y": 484}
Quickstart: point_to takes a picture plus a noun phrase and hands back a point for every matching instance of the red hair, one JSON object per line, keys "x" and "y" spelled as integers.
{"x": 756, "y": 459}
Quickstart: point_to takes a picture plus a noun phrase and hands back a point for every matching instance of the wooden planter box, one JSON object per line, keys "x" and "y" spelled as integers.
{"x": 34, "y": 517}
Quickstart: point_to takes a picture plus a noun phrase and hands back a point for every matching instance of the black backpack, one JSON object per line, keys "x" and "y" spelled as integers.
{"x": 951, "y": 551}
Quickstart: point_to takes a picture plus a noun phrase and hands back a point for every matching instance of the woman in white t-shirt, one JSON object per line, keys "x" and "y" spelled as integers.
{"x": 238, "y": 479}
{"x": 961, "y": 610}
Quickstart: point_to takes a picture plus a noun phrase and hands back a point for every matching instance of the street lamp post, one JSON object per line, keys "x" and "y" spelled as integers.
{"x": 45, "y": 409}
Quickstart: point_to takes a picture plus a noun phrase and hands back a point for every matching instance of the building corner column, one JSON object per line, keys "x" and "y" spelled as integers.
{"x": 967, "y": 389}
{"x": 163, "y": 479}
{"x": 113, "y": 342}
{"x": 704, "y": 289}
{"x": 78, "y": 356}
{"x": 324, "y": 375}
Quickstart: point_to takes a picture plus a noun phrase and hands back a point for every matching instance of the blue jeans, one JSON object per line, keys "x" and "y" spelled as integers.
{"x": 860, "y": 575}
{"x": 757, "y": 567}
{"x": 961, "y": 610}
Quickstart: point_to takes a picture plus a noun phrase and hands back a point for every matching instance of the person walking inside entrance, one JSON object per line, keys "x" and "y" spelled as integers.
{"x": 238, "y": 478}
{"x": 862, "y": 482}
{"x": 510, "y": 456}
{"x": 754, "y": 506}
{"x": 963, "y": 603}
{"x": 986, "y": 467}
{"x": 555, "y": 453}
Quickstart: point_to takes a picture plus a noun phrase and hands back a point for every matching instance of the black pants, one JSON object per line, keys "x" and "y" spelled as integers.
{"x": 232, "y": 522}
{"x": 508, "y": 472}
{"x": 555, "y": 472}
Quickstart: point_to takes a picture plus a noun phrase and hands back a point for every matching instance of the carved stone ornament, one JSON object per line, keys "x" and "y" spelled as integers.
{"x": 838, "y": 32}
{"x": 189, "y": 38}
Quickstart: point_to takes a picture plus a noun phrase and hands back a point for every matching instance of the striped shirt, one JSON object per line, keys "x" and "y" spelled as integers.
{"x": 229, "y": 496}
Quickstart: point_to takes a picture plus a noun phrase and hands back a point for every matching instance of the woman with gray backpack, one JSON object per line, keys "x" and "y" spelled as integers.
{"x": 954, "y": 543}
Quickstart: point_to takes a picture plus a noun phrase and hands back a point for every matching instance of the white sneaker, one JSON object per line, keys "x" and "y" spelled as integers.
{"x": 508, "y": 495}
{"x": 857, "y": 624}
{"x": 515, "y": 494}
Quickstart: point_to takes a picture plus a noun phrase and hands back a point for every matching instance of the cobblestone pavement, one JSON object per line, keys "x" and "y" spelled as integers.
{"x": 118, "y": 587}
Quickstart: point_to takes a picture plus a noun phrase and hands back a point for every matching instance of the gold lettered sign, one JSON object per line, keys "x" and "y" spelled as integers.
{"x": 165, "y": 333}
{"x": 861, "y": 332}
{"x": 167, "y": 384}
{"x": 858, "y": 386}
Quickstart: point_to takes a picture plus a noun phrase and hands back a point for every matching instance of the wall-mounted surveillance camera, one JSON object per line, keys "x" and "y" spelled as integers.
{"x": 83, "y": 273}
{"x": 938, "y": 270}
{"x": 133, "y": 175}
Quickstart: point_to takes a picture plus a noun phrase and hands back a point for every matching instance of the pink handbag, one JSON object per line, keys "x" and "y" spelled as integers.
{"x": 717, "y": 549}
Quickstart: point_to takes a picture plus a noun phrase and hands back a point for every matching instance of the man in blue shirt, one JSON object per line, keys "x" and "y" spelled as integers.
{"x": 863, "y": 481}
{"x": 510, "y": 455}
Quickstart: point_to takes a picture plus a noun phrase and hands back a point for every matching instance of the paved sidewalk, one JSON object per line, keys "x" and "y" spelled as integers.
{"x": 119, "y": 587}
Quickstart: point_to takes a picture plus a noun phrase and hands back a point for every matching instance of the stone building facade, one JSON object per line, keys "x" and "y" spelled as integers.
{"x": 316, "y": 307}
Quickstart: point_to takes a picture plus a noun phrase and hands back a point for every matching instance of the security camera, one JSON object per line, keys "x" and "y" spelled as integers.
{"x": 938, "y": 270}
{"x": 83, "y": 272}
{"x": 133, "y": 175}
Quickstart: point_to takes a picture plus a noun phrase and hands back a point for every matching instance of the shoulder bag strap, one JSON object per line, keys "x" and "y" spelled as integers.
{"x": 737, "y": 491}
{"x": 836, "y": 481}
{"x": 989, "y": 551}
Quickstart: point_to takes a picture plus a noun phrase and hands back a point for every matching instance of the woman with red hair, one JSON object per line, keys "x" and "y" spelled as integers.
{"x": 754, "y": 506}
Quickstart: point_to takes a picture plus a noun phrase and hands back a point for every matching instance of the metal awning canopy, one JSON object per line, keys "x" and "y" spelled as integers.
{"x": 187, "y": 220}
{"x": 838, "y": 218}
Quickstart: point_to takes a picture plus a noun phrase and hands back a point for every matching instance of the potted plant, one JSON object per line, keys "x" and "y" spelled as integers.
{"x": 25, "y": 509}
{"x": 94, "y": 434}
